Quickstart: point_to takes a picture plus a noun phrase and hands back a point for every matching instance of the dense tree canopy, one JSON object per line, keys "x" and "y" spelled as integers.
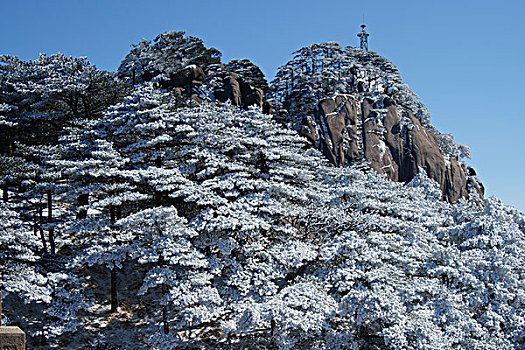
{"x": 216, "y": 227}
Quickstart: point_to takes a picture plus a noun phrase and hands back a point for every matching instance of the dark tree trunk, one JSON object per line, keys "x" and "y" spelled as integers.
{"x": 272, "y": 334}
{"x": 112, "y": 214}
{"x": 82, "y": 200}
{"x": 5, "y": 195}
{"x": 50, "y": 220}
{"x": 35, "y": 224}
{"x": 190, "y": 89}
{"x": 12, "y": 148}
{"x": 165, "y": 319}
{"x": 261, "y": 163}
{"x": 87, "y": 103}
{"x": 52, "y": 244}
{"x": 114, "y": 290}
{"x": 72, "y": 102}
{"x": 115, "y": 214}
{"x": 49, "y": 206}
{"x": 165, "y": 313}
{"x": 43, "y": 340}
{"x": 157, "y": 198}
{"x": 39, "y": 224}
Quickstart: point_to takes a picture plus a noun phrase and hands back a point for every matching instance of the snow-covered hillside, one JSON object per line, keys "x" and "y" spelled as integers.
{"x": 155, "y": 222}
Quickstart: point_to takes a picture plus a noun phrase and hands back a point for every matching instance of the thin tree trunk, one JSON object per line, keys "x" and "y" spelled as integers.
{"x": 165, "y": 313}
{"x": 52, "y": 244}
{"x": 272, "y": 334}
{"x": 35, "y": 224}
{"x": 5, "y": 194}
{"x": 165, "y": 319}
{"x": 49, "y": 206}
{"x": 157, "y": 198}
{"x": 115, "y": 214}
{"x": 49, "y": 221}
{"x": 12, "y": 148}
{"x": 82, "y": 200}
{"x": 114, "y": 290}
{"x": 43, "y": 340}
{"x": 41, "y": 219}
{"x": 112, "y": 214}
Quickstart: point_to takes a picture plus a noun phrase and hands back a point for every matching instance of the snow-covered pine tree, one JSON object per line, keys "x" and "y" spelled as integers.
{"x": 235, "y": 234}
{"x": 167, "y": 54}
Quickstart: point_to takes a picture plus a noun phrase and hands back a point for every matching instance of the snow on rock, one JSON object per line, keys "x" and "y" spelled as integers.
{"x": 349, "y": 103}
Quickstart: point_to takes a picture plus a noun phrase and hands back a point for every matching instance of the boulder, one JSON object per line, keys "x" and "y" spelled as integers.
{"x": 230, "y": 90}
{"x": 254, "y": 98}
{"x": 455, "y": 181}
{"x": 267, "y": 107}
{"x": 189, "y": 75}
{"x": 147, "y": 75}
{"x": 242, "y": 94}
{"x": 309, "y": 130}
{"x": 474, "y": 184}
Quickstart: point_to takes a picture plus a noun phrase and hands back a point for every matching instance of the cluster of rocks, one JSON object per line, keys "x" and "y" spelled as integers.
{"x": 348, "y": 128}
{"x": 222, "y": 85}
{"x": 236, "y": 90}
{"x": 377, "y": 118}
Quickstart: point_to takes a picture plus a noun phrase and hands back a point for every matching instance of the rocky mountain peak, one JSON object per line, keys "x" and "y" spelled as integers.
{"x": 183, "y": 64}
{"x": 353, "y": 106}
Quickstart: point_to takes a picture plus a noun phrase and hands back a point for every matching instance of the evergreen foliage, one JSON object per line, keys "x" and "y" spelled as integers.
{"x": 168, "y": 53}
{"x": 215, "y": 227}
{"x": 249, "y": 71}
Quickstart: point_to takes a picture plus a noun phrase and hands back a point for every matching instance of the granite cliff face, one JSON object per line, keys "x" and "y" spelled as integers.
{"x": 393, "y": 141}
{"x": 352, "y": 106}
{"x": 240, "y": 93}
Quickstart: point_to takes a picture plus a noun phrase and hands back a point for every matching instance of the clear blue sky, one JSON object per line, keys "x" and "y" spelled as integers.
{"x": 464, "y": 58}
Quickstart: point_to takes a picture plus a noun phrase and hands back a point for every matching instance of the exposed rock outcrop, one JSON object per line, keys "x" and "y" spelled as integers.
{"x": 223, "y": 85}
{"x": 191, "y": 74}
{"x": 185, "y": 65}
{"x": 241, "y": 94}
{"x": 185, "y": 82}
{"x": 390, "y": 137}
{"x": 352, "y": 105}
